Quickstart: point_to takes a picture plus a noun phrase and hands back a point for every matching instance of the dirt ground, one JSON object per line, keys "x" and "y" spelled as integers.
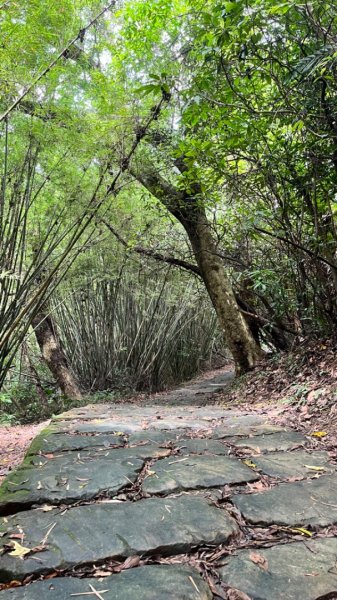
{"x": 297, "y": 389}
{"x": 14, "y": 442}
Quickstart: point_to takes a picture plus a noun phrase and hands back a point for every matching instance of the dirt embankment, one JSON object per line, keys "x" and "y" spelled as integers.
{"x": 297, "y": 389}
{"x": 14, "y": 442}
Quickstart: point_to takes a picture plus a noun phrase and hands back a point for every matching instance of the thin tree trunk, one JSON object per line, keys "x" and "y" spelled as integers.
{"x": 189, "y": 210}
{"x": 35, "y": 376}
{"x": 239, "y": 339}
{"x": 53, "y": 354}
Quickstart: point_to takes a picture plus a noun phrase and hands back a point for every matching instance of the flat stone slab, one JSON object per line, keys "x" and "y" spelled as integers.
{"x": 134, "y": 418}
{"x": 283, "y": 440}
{"x": 292, "y": 572}
{"x": 294, "y": 464}
{"x": 158, "y": 437}
{"x": 98, "y": 426}
{"x": 310, "y": 503}
{"x": 74, "y": 476}
{"x": 196, "y": 472}
{"x": 200, "y": 446}
{"x": 244, "y": 429}
{"x": 66, "y": 481}
{"x": 151, "y": 582}
{"x": 56, "y": 442}
{"x": 91, "y": 533}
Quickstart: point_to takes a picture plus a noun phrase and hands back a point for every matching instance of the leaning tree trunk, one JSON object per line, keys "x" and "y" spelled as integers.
{"x": 53, "y": 355}
{"x": 189, "y": 210}
{"x": 241, "y": 343}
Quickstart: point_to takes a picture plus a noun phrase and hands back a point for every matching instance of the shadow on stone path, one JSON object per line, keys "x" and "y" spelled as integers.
{"x": 173, "y": 499}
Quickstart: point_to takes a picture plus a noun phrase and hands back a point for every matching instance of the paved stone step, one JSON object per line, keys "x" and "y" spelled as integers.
{"x": 298, "y": 463}
{"x": 143, "y": 583}
{"x": 74, "y": 476}
{"x": 91, "y": 533}
{"x": 295, "y": 571}
{"x": 196, "y": 472}
{"x": 132, "y": 418}
{"x": 200, "y": 446}
{"x": 46, "y": 442}
{"x": 283, "y": 440}
{"x": 311, "y": 503}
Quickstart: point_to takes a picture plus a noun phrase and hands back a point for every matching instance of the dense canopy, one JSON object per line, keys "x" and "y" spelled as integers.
{"x": 161, "y": 160}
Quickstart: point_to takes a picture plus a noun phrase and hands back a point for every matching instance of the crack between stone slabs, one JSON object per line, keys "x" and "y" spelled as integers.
{"x": 205, "y": 558}
{"x": 61, "y": 451}
{"x": 294, "y": 533}
{"x": 188, "y": 435}
{"x": 225, "y": 490}
{"x": 16, "y": 508}
{"x": 246, "y": 452}
{"x": 88, "y": 433}
{"x": 135, "y": 491}
{"x": 185, "y": 554}
{"x": 132, "y": 491}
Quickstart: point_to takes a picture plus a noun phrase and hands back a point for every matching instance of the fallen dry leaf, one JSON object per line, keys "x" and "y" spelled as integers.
{"x": 233, "y": 594}
{"x": 258, "y": 486}
{"x": 249, "y": 463}
{"x": 259, "y": 560}
{"x": 302, "y": 531}
{"x": 313, "y": 468}
{"x": 129, "y": 563}
{"x": 19, "y": 550}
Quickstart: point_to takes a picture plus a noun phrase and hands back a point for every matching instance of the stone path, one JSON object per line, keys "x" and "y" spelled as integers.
{"x": 175, "y": 499}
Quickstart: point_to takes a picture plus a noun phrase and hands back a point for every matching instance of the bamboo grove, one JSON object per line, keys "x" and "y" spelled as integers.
{"x": 182, "y": 152}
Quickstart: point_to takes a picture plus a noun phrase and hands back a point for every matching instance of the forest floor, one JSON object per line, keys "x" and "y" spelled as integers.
{"x": 297, "y": 389}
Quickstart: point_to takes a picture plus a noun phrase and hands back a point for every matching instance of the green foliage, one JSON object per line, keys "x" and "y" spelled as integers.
{"x": 136, "y": 331}
{"x": 21, "y": 404}
{"x": 252, "y": 112}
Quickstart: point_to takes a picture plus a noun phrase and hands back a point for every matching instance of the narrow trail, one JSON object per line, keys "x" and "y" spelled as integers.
{"x": 172, "y": 497}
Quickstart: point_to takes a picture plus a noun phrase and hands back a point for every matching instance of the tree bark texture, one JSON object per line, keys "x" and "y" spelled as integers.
{"x": 54, "y": 356}
{"x": 189, "y": 210}
{"x": 239, "y": 339}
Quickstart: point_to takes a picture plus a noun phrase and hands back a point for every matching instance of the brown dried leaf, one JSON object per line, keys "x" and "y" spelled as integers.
{"x": 40, "y": 548}
{"x": 233, "y": 594}
{"x": 259, "y": 560}
{"x": 257, "y": 487}
{"x": 131, "y": 561}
